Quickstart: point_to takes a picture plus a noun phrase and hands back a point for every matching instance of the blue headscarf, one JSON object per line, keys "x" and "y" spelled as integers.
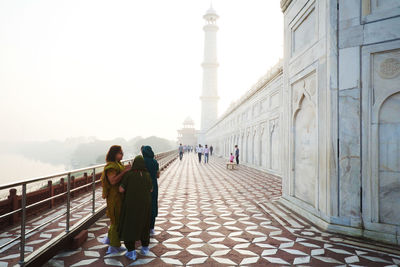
{"x": 151, "y": 163}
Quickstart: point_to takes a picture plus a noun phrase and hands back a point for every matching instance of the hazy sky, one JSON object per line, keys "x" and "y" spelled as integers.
{"x": 124, "y": 68}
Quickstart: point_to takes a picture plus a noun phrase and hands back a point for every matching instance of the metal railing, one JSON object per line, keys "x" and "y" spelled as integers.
{"x": 163, "y": 158}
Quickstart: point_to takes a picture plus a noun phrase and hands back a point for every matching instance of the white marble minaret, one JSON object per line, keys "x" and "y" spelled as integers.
{"x": 209, "y": 97}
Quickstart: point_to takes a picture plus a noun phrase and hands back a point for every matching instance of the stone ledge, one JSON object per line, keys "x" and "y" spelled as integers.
{"x": 387, "y": 238}
{"x": 41, "y": 256}
{"x": 79, "y": 239}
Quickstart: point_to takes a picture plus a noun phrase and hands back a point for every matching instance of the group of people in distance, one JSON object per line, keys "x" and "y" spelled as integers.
{"x": 206, "y": 151}
{"x": 131, "y": 193}
{"x": 200, "y": 150}
{"x": 183, "y": 149}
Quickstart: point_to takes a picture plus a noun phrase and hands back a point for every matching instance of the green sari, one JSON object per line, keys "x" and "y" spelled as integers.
{"x": 136, "y": 208}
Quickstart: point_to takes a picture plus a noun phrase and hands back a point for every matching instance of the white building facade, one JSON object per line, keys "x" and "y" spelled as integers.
{"x": 337, "y": 146}
{"x": 254, "y": 124}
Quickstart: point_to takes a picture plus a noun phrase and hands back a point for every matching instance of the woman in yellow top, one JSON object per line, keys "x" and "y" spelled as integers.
{"x": 110, "y": 181}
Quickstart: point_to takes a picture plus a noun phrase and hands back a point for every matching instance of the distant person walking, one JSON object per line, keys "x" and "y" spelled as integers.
{"x": 180, "y": 151}
{"x": 110, "y": 180}
{"x": 154, "y": 170}
{"x": 211, "y": 150}
{"x": 206, "y": 153}
{"x": 237, "y": 154}
{"x": 134, "y": 225}
{"x": 199, "y": 151}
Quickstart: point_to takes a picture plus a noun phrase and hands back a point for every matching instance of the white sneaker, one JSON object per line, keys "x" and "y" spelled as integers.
{"x": 105, "y": 240}
{"x": 131, "y": 255}
{"x": 114, "y": 250}
{"x": 144, "y": 250}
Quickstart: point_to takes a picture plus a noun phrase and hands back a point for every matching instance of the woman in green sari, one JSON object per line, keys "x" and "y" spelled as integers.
{"x": 110, "y": 181}
{"x": 136, "y": 208}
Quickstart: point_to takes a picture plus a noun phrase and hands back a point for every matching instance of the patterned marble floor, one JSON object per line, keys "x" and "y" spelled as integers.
{"x": 211, "y": 216}
{"x": 10, "y": 254}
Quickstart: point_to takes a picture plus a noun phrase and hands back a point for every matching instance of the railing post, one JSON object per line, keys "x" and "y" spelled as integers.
{"x": 68, "y": 202}
{"x": 50, "y": 186}
{"x": 23, "y": 219}
{"x": 14, "y": 204}
{"x": 86, "y": 177}
{"x": 63, "y": 188}
{"x": 72, "y": 186}
{"x": 94, "y": 190}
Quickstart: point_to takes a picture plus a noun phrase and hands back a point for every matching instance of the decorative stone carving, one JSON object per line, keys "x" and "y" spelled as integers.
{"x": 274, "y": 100}
{"x": 264, "y": 105}
{"x": 255, "y": 113}
{"x": 389, "y": 160}
{"x": 305, "y": 138}
{"x": 389, "y": 68}
{"x": 305, "y": 152}
{"x": 306, "y": 87}
{"x": 295, "y": 97}
{"x": 312, "y": 87}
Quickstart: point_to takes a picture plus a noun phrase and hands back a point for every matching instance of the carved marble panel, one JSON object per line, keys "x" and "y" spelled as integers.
{"x": 263, "y": 146}
{"x": 254, "y": 149}
{"x": 389, "y": 68}
{"x": 381, "y": 5}
{"x": 305, "y": 30}
{"x": 274, "y": 100}
{"x": 255, "y": 109}
{"x": 247, "y": 149}
{"x": 389, "y": 160}
{"x": 274, "y": 145}
{"x": 305, "y": 139}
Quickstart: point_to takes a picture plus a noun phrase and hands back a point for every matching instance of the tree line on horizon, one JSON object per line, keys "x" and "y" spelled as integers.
{"x": 80, "y": 152}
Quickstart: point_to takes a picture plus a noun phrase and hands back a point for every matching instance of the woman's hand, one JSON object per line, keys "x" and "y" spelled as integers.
{"x": 127, "y": 168}
{"x": 158, "y": 174}
{"x": 112, "y": 176}
{"x": 121, "y": 189}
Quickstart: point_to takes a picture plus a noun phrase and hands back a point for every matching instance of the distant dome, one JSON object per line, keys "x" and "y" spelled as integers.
{"x": 211, "y": 14}
{"x": 189, "y": 121}
{"x": 211, "y": 11}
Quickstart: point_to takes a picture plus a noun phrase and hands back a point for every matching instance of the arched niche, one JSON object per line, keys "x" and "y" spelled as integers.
{"x": 254, "y": 151}
{"x": 305, "y": 150}
{"x": 274, "y": 145}
{"x": 263, "y": 148}
{"x": 389, "y": 160}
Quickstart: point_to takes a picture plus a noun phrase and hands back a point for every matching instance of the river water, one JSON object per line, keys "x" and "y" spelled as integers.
{"x": 15, "y": 167}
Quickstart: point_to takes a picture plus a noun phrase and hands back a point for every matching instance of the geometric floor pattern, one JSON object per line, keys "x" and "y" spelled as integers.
{"x": 211, "y": 216}
{"x": 9, "y": 255}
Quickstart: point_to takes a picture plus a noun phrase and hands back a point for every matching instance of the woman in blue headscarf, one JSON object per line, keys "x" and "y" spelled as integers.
{"x": 153, "y": 168}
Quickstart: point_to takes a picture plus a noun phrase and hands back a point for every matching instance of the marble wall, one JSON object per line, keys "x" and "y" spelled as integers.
{"x": 253, "y": 123}
{"x": 327, "y": 118}
{"x": 342, "y": 140}
{"x": 381, "y": 136}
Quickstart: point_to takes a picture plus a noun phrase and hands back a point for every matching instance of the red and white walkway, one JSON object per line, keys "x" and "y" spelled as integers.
{"x": 212, "y": 216}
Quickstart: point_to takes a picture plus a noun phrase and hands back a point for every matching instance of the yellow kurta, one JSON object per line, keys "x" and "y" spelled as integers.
{"x": 114, "y": 200}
